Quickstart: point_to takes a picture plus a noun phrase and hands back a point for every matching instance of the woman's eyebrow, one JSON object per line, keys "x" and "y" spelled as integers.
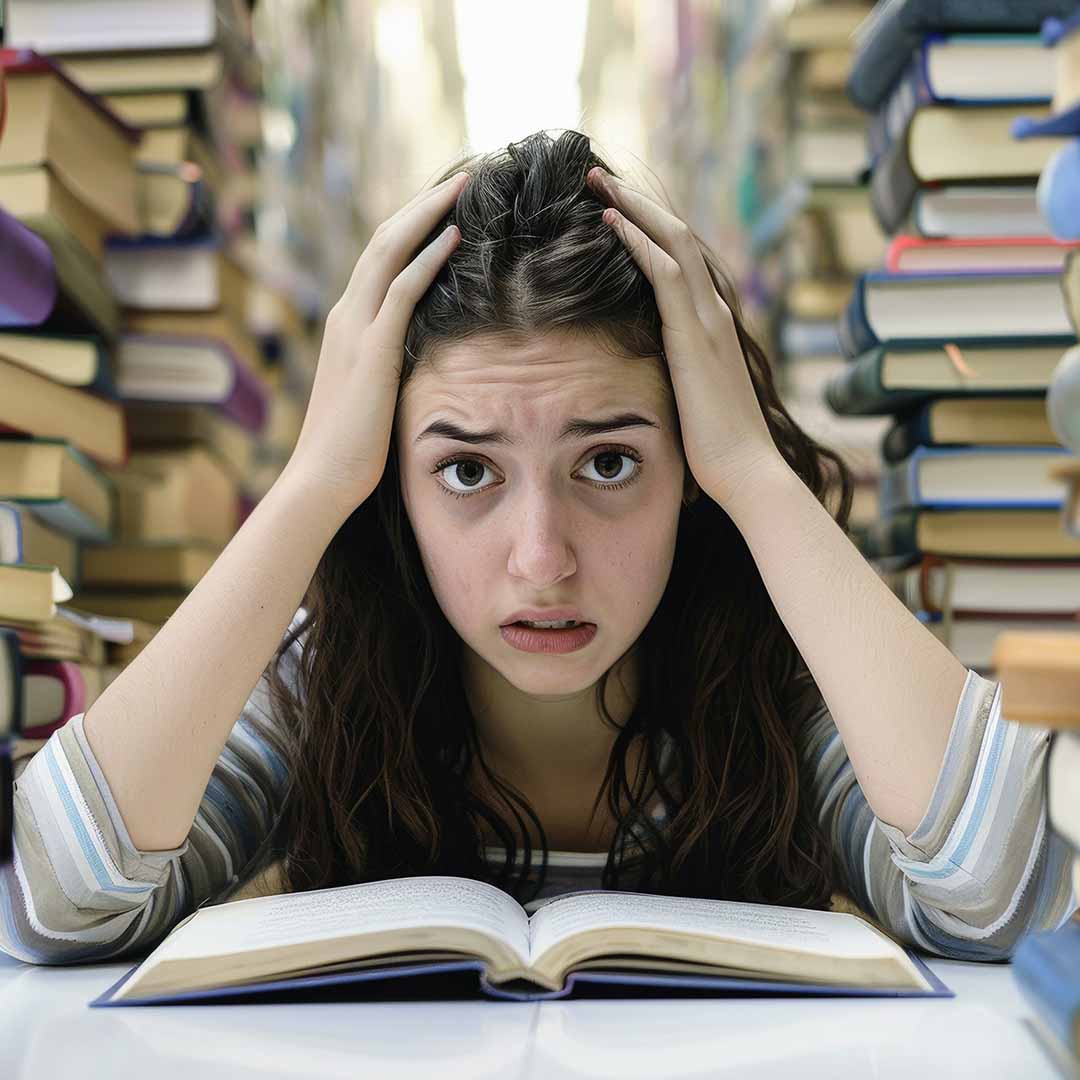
{"x": 575, "y": 428}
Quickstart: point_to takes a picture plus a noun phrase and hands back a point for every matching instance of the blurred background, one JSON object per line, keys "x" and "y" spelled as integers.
{"x": 185, "y": 187}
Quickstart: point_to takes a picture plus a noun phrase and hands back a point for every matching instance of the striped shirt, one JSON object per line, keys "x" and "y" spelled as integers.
{"x": 979, "y": 871}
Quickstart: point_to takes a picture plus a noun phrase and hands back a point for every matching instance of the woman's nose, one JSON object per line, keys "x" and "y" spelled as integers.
{"x": 541, "y": 544}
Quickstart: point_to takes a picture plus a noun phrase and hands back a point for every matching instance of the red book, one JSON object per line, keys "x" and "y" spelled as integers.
{"x": 919, "y": 255}
{"x": 53, "y": 692}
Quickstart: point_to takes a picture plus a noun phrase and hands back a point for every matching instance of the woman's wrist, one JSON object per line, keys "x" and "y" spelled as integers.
{"x": 305, "y": 496}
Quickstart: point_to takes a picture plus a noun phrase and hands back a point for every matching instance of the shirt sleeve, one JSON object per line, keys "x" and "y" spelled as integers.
{"x": 981, "y": 868}
{"x": 78, "y": 889}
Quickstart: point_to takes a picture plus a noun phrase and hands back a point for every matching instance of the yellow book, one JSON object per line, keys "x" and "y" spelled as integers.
{"x": 167, "y": 565}
{"x": 60, "y": 484}
{"x": 30, "y": 592}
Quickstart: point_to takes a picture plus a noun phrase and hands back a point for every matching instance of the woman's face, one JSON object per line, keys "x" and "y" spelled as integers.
{"x": 533, "y": 518}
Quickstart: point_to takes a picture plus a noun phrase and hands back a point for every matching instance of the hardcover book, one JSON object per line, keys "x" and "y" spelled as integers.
{"x": 887, "y": 38}
{"x": 992, "y": 306}
{"x": 988, "y": 477}
{"x": 433, "y": 926}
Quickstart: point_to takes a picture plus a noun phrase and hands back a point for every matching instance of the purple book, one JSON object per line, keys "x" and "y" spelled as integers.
{"x": 28, "y": 286}
{"x": 145, "y": 371}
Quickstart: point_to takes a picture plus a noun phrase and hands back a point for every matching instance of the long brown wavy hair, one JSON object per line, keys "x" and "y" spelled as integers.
{"x": 378, "y": 736}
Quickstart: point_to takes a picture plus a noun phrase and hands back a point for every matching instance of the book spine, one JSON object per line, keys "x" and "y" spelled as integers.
{"x": 103, "y": 383}
{"x": 199, "y": 219}
{"x": 907, "y": 433}
{"x": 11, "y": 511}
{"x": 898, "y": 488}
{"x": 856, "y": 390}
{"x": 11, "y": 657}
{"x": 892, "y": 536}
{"x": 248, "y": 402}
{"x": 893, "y": 185}
{"x": 880, "y": 56}
{"x": 854, "y": 332}
{"x": 892, "y": 117}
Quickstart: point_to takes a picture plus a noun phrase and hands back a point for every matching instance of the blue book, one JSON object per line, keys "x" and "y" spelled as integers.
{"x": 1047, "y": 970}
{"x": 970, "y": 306}
{"x": 895, "y": 28}
{"x": 974, "y": 477}
{"x": 445, "y": 936}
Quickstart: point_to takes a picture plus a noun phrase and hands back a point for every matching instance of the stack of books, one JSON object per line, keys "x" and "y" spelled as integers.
{"x": 67, "y": 180}
{"x": 956, "y": 336}
{"x": 1040, "y": 680}
{"x": 804, "y": 209}
{"x": 832, "y": 238}
{"x": 148, "y": 396}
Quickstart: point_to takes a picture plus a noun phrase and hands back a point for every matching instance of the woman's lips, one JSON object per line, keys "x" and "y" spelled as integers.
{"x": 538, "y": 640}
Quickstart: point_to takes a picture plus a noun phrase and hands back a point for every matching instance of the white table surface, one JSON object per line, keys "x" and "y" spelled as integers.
{"x": 47, "y": 1030}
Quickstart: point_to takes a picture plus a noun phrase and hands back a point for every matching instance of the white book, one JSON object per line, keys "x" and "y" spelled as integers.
{"x": 382, "y": 923}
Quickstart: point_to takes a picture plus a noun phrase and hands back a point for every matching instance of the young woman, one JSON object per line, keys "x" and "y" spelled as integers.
{"x": 536, "y": 401}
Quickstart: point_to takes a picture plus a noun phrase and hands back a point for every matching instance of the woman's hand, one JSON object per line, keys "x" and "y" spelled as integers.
{"x": 725, "y": 437}
{"x": 345, "y": 437}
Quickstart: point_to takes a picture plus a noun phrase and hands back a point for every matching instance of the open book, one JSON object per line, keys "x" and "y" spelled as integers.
{"x": 421, "y": 925}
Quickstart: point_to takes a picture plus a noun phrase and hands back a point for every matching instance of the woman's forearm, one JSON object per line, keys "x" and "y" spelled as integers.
{"x": 158, "y": 728}
{"x": 892, "y": 687}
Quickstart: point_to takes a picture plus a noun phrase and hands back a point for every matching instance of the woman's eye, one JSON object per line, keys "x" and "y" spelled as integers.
{"x": 612, "y": 469}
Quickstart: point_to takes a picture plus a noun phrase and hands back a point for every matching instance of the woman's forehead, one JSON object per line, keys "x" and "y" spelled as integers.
{"x": 547, "y": 379}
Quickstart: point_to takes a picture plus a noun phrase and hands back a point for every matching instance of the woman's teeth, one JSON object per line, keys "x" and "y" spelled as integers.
{"x": 549, "y": 625}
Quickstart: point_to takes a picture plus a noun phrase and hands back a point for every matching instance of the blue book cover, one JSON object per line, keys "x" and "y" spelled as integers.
{"x": 1046, "y": 966}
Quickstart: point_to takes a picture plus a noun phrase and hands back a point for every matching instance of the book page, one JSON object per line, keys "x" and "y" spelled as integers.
{"x": 827, "y": 933}
{"x": 321, "y": 914}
